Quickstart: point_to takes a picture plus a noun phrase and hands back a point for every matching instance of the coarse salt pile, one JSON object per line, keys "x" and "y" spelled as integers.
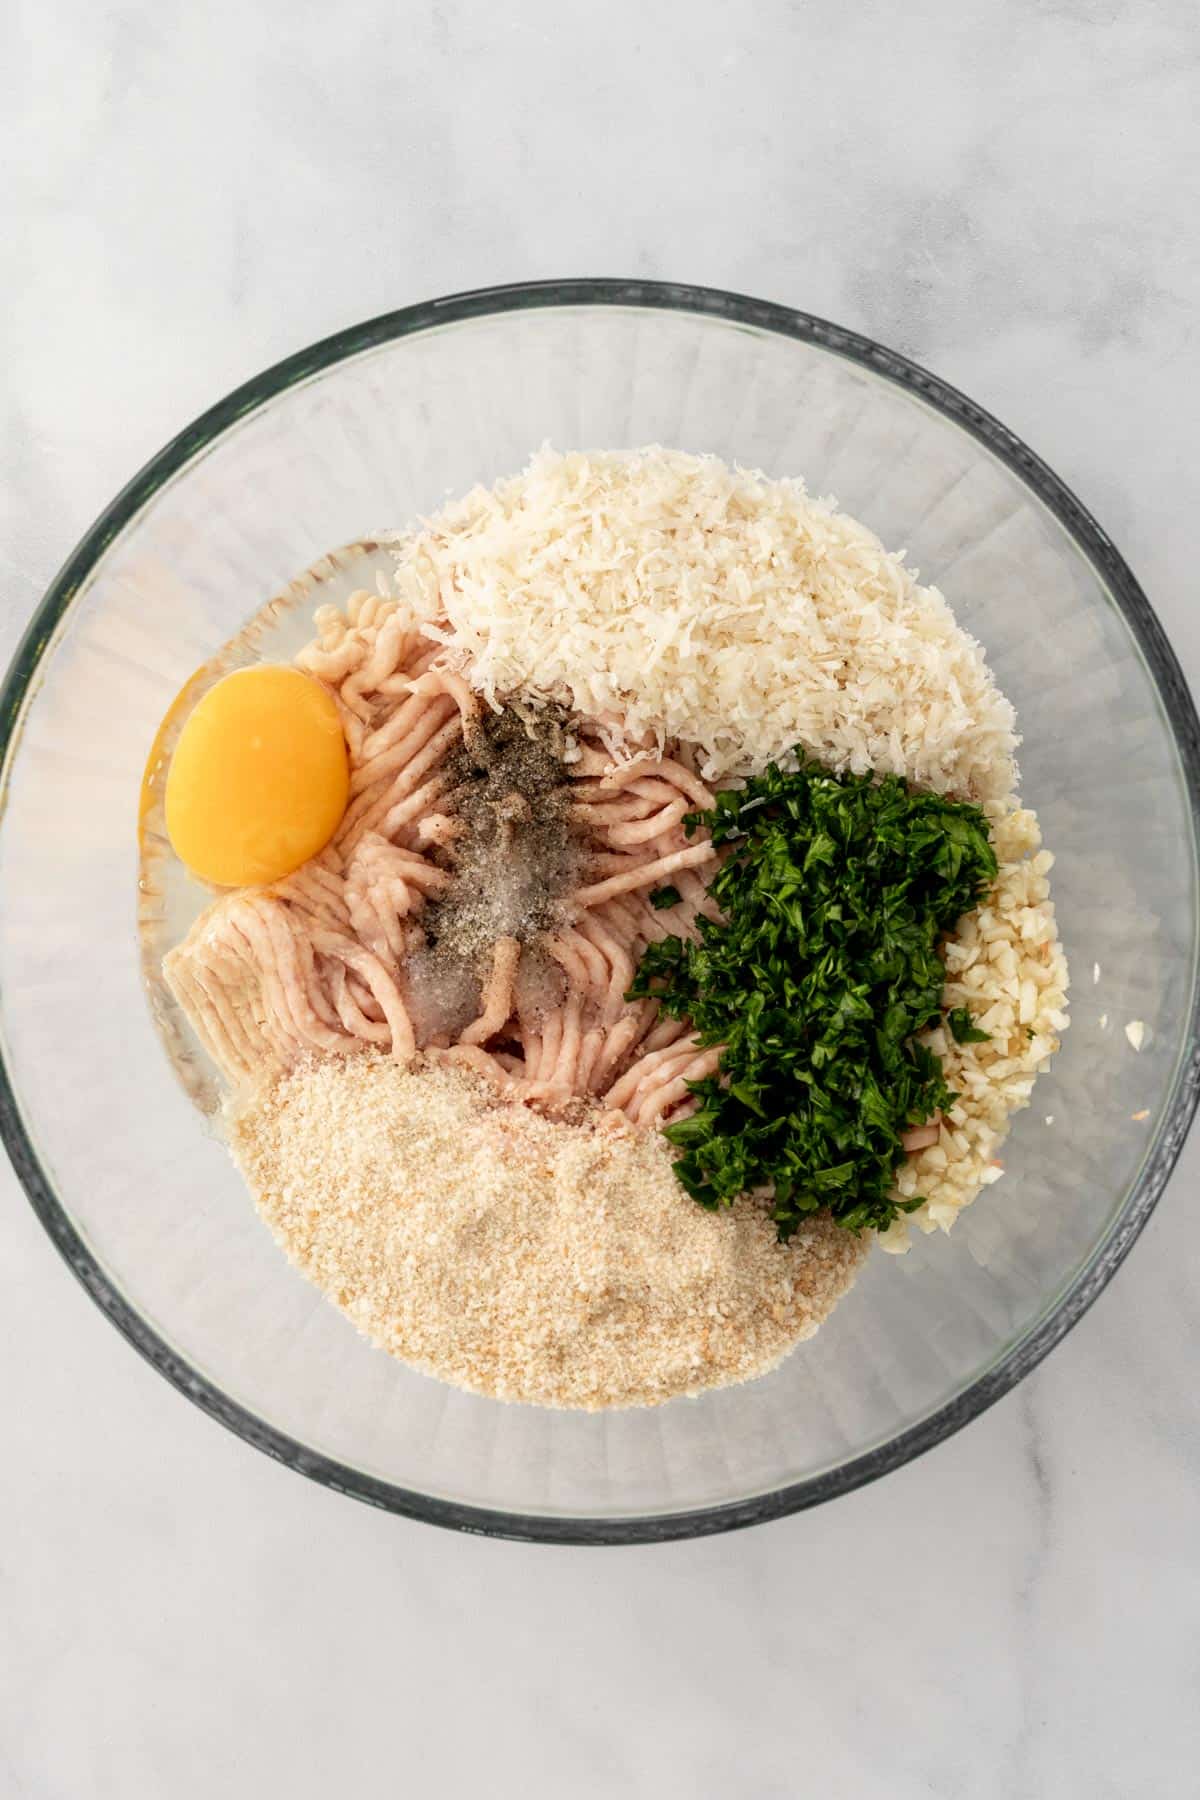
{"x": 674, "y": 597}
{"x": 521, "y": 1257}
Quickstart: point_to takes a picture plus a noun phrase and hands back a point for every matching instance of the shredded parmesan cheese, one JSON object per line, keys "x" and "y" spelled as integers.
{"x": 670, "y": 596}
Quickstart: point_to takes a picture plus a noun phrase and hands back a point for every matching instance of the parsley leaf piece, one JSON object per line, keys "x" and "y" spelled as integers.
{"x": 963, "y": 1029}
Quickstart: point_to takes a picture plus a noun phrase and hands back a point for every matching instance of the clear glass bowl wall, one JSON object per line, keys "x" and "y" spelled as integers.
{"x": 142, "y": 1195}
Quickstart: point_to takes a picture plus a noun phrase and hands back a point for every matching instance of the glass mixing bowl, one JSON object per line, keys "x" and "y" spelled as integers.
{"x": 365, "y": 431}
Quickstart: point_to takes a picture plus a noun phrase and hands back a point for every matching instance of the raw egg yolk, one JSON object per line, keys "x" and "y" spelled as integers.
{"x": 259, "y": 780}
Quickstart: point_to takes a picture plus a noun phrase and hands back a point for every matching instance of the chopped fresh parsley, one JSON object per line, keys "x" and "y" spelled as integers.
{"x": 664, "y": 897}
{"x": 834, "y": 891}
{"x": 963, "y": 1030}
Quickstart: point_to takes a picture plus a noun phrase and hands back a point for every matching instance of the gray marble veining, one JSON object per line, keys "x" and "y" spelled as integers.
{"x": 1006, "y": 191}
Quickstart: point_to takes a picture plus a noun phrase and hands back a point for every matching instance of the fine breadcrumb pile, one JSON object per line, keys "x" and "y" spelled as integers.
{"x": 672, "y": 597}
{"x": 518, "y": 1256}
{"x": 1005, "y": 964}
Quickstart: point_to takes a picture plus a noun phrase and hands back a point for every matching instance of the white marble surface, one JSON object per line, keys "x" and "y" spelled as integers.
{"x": 1004, "y": 189}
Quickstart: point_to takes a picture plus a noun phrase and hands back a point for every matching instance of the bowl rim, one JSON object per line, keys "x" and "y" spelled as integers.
{"x": 1180, "y": 710}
